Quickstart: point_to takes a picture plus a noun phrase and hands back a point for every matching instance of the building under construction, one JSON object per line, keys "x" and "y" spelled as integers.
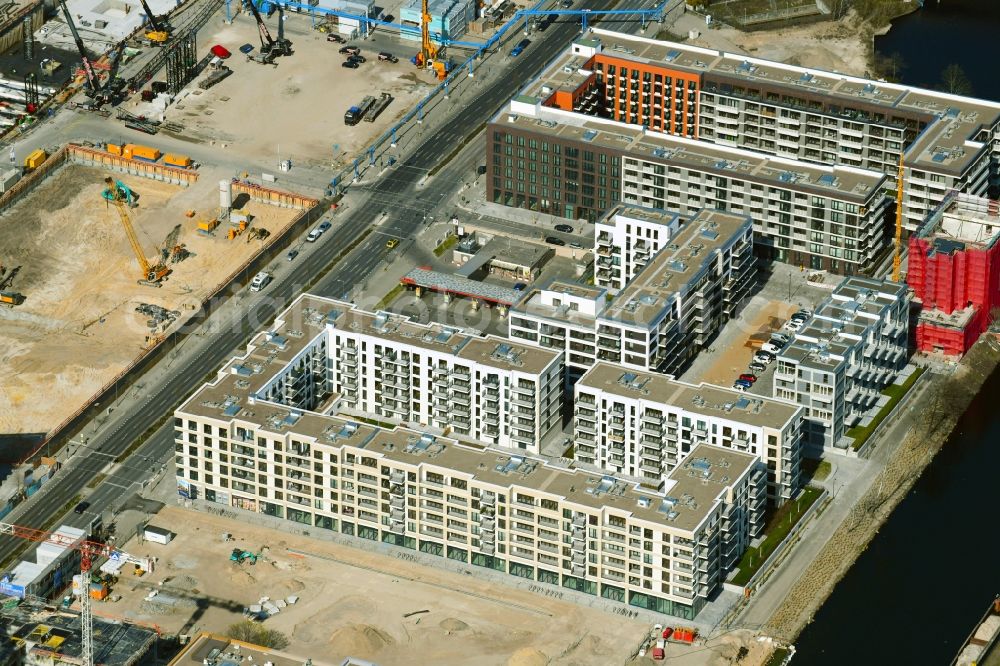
{"x": 954, "y": 271}
{"x": 42, "y": 636}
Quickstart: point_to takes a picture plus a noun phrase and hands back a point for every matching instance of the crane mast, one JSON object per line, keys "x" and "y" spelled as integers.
{"x": 119, "y": 195}
{"x": 898, "y": 245}
{"x": 93, "y": 83}
{"x": 89, "y": 551}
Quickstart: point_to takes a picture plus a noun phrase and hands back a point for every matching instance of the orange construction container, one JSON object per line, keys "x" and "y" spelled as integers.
{"x": 139, "y": 152}
{"x": 98, "y": 591}
{"x": 182, "y": 161}
{"x": 115, "y": 149}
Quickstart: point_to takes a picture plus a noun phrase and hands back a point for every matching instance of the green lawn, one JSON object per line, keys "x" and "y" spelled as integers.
{"x": 390, "y": 297}
{"x": 778, "y": 527}
{"x": 895, "y": 393}
{"x": 815, "y": 470}
{"x": 445, "y": 245}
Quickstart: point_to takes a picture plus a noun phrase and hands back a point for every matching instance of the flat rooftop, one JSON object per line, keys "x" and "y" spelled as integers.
{"x": 688, "y": 256}
{"x": 701, "y": 481}
{"x": 710, "y": 401}
{"x": 839, "y": 182}
{"x": 449, "y": 283}
{"x": 962, "y": 221}
{"x": 948, "y": 143}
{"x": 841, "y": 320}
{"x": 640, "y": 213}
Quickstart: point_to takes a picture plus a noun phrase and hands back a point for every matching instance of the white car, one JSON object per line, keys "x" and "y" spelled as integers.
{"x": 771, "y": 347}
{"x": 779, "y": 339}
{"x": 314, "y": 235}
{"x": 740, "y": 387}
{"x": 791, "y": 326}
{"x": 763, "y": 357}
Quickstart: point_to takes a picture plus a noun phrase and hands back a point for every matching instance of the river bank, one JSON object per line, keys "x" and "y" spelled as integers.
{"x": 934, "y": 417}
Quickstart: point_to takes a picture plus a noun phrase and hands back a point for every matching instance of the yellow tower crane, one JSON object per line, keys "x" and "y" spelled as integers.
{"x": 898, "y": 248}
{"x": 118, "y": 194}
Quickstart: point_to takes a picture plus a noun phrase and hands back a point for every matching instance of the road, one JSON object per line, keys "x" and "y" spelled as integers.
{"x": 399, "y": 192}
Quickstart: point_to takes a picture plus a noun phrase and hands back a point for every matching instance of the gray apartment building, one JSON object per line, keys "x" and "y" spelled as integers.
{"x": 946, "y": 142}
{"x": 645, "y": 425}
{"x": 658, "y": 320}
{"x": 414, "y": 487}
{"x": 840, "y": 360}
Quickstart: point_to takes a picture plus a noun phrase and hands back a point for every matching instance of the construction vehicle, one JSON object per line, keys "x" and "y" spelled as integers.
{"x": 428, "y": 52}
{"x": 119, "y": 194}
{"x": 240, "y": 556}
{"x": 258, "y": 233}
{"x": 89, "y": 552}
{"x": 270, "y": 48}
{"x": 113, "y": 89}
{"x": 158, "y": 31}
{"x": 11, "y": 298}
{"x": 93, "y": 83}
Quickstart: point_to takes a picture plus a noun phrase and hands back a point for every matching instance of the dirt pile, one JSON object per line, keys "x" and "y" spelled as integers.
{"x": 359, "y": 640}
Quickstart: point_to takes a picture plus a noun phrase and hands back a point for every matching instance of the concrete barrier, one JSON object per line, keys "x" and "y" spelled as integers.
{"x": 273, "y": 196}
{"x": 98, "y": 158}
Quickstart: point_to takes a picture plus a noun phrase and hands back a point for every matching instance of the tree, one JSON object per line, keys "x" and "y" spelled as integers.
{"x": 889, "y": 67}
{"x": 955, "y": 81}
{"x": 253, "y": 632}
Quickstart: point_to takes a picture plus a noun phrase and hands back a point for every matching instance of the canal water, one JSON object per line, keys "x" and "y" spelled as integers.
{"x": 930, "y": 572}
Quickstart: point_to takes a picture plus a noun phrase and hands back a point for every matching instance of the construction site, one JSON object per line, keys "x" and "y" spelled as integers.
{"x": 93, "y": 291}
{"x": 334, "y": 601}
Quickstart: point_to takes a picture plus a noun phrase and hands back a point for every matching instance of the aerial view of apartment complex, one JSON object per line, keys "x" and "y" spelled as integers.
{"x": 445, "y": 332}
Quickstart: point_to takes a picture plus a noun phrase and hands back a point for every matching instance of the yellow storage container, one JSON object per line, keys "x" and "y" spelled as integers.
{"x": 140, "y": 152}
{"x": 35, "y": 159}
{"x": 207, "y": 225}
{"x": 182, "y": 161}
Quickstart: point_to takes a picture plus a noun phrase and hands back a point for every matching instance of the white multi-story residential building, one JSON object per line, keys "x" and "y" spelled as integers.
{"x": 664, "y": 314}
{"x": 626, "y": 240}
{"x": 488, "y": 389}
{"x": 752, "y": 108}
{"x": 644, "y": 425}
{"x": 839, "y": 361}
{"x": 411, "y": 487}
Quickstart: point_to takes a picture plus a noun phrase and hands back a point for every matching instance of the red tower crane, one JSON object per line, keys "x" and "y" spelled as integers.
{"x": 89, "y": 551}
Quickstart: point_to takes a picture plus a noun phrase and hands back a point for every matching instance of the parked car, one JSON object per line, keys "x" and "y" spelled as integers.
{"x": 780, "y": 338}
{"x": 763, "y": 357}
{"x": 324, "y": 226}
{"x": 792, "y": 325}
{"x": 292, "y": 254}
{"x": 357, "y": 58}
{"x": 350, "y": 50}
{"x": 314, "y": 235}
{"x": 747, "y": 377}
{"x": 757, "y": 366}
{"x": 385, "y": 56}
{"x": 739, "y": 387}
{"x": 220, "y": 51}
{"x": 81, "y": 507}
{"x": 520, "y": 286}
{"x": 742, "y": 382}
{"x": 770, "y": 347}
{"x": 350, "y": 64}
{"x": 566, "y": 4}
{"x": 552, "y": 240}
{"x": 565, "y": 228}
{"x": 246, "y": 49}
{"x": 335, "y": 38}
{"x": 803, "y": 313}
{"x": 576, "y": 246}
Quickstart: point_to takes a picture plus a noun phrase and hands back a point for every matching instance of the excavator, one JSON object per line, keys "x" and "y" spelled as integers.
{"x": 119, "y": 194}
{"x": 158, "y": 31}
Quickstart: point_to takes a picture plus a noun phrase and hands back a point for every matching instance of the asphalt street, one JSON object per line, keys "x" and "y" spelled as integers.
{"x": 398, "y": 192}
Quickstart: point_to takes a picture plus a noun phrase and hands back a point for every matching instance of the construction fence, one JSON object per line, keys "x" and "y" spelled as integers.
{"x": 99, "y": 158}
{"x": 108, "y": 394}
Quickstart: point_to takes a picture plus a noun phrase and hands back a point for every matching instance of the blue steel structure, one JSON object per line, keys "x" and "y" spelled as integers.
{"x": 655, "y": 14}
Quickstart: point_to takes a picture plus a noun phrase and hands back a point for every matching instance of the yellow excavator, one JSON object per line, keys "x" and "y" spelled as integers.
{"x": 120, "y": 195}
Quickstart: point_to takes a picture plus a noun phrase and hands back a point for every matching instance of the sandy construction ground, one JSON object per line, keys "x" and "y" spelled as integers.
{"x": 78, "y": 327}
{"x": 352, "y": 602}
{"x": 301, "y": 102}
{"x": 758, "y": 319}
{"x": 840, "y": 46}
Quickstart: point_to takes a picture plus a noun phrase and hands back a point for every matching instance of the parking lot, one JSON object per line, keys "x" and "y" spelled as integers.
{"x": 781, "y": 294}
{"x": 301, "y": 101}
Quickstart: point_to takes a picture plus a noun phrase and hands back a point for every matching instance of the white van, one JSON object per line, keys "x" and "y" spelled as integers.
{"x": 260, "y": 281}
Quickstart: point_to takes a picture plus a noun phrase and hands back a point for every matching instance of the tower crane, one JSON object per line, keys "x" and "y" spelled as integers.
{"x": 93, "y": 83}
{"x": 119, "y": 194}
{"x": 159, "y": 31}
{"x": 89, "y": 551}
{"x": 898, "y": 245}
